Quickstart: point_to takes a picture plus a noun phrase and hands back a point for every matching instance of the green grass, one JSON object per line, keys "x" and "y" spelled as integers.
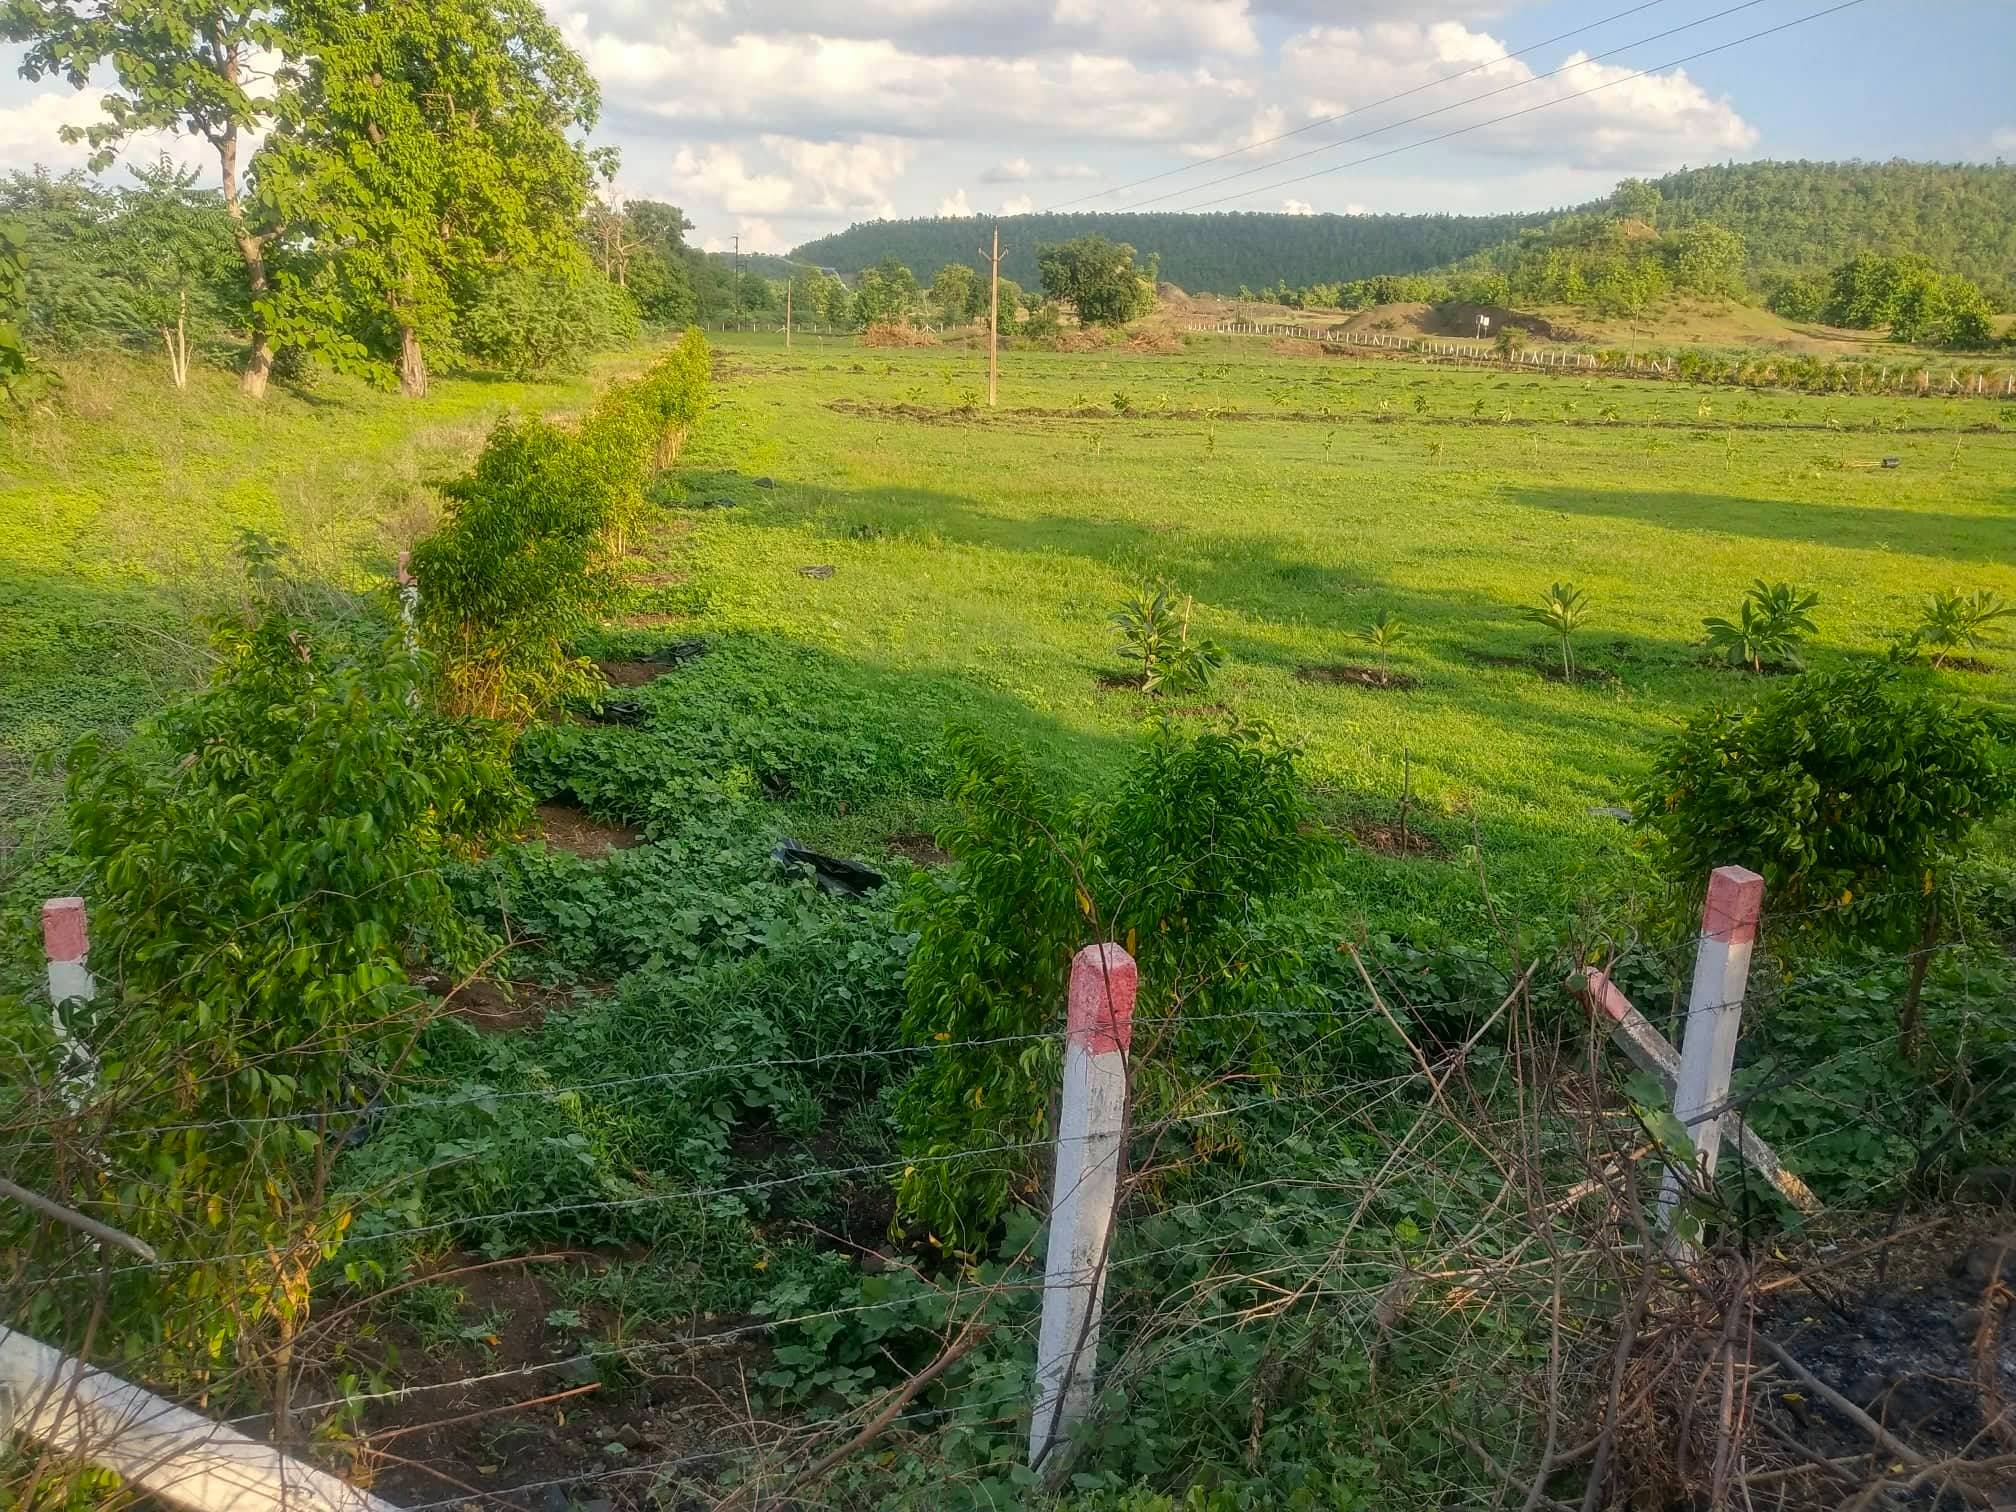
{"x": 978, "y": 556}
{"x": 119, "y": 504}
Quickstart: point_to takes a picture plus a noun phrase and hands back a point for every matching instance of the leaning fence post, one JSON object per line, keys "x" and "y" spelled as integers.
{"x": 1091, "y": 1127}
{"x": 1714, "y": 1018}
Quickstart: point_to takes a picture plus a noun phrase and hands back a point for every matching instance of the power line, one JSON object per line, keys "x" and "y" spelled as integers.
{"x": 1530, "y": 109}
{"x": 1439, "y": 110}
{"x": 1354, "y": 110}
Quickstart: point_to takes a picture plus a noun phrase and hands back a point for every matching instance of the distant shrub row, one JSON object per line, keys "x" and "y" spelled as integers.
{"x": 527, "y": 555}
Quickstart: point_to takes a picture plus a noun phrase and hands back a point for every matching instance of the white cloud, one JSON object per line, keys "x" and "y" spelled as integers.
{"x": 955, "y": 204}
{"x": 1298, "y": 207}
{"x": 1628, "y": 123}
{"x": 1017, "y": 204}
{"x": 1013, "y": 170}
{"x": 835, "y": 88}
{"x": 757, "y": 235}
{"x": 2003, "y": 140}
{"x": 30, "y": 135}
{"x": 1162, "y": 29}
{"x": 1019, "y": 170}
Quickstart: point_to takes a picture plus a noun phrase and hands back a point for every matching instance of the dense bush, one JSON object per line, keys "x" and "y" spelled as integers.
{"x": 1174, "y": 863}
{"x": 525, "y": 558}
{"x": 533, "y": 324}
{"x": 1850, "y": 792}
{"x": 265, "y": 866}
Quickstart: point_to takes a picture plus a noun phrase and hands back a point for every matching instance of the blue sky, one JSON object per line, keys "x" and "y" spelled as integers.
{"x": 780, "y": 120}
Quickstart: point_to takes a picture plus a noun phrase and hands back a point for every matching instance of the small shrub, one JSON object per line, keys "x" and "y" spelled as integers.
{"x": 1155, "y": 633}
{"x": 1199, "y": 832}
{"x": 1953, "y": 620}
{"x": 1562, "y": 610}
{"x": 525, "y": 559}
{"x": 1385, "y": 632}
{"x": 1768, "y": 627}
{"x": 265, "y": 866}
{"x": 1122, "y": 401}
{"x": 1847, "y": 791}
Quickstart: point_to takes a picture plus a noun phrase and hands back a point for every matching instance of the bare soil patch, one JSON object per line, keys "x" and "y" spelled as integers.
{"x": 485, "y": 1435}
{"x": 920, "y": 848}
{"x": 1391, "y": 840}
{"x": 631, "y": 674}
{"x": 1357, "y": 677}
{"x": 567, "y": 828}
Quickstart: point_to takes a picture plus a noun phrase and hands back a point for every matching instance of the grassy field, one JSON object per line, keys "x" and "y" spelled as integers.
{"x": 977, "y": 557}
{"x": 120, "y": 501}
{"x": 707, "y": 1059}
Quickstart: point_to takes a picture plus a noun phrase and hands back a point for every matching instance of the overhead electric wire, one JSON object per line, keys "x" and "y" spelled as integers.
{"x": 1530, "y": 109}
{"x": 1427, "y": 115}
{"x": 1283, "y": 136}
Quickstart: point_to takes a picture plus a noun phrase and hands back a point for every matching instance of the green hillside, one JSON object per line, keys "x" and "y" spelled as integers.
{"x": 1219, "y": 251}
{"x": 1805, "y": 217}
{"x": 1794, "y": 218}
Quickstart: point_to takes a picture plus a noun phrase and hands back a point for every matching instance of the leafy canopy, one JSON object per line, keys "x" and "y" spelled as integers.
{"x": 1847, "y": 791}
{"x": 1098, "y": 278}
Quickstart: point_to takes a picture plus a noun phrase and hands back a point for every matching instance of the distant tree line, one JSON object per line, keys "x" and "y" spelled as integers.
{"x": 1215, "y": 252}
{"x": 1736, "y": 228}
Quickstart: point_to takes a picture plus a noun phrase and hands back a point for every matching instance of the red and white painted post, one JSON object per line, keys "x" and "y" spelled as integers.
{"x": 1714, "y": 1019}
{"x": 68, "y": 948}
{"x": 1091, "y": 1130}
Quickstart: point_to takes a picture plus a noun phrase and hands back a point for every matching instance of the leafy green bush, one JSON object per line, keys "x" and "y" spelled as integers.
{"x": 1199, "y": 833}
{"x": 1155, "y": 633}
{"x": 1850, "y": 792}
{"x": 533, "y": 323}
{"x": 265, "y": 865}
{"x": 1768, "y": 627}
{"x": 524, "y": 561}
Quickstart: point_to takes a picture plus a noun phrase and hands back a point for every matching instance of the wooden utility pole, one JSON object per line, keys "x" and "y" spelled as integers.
{"x": 993, "y": 311}
{"x": 787, "y": 314}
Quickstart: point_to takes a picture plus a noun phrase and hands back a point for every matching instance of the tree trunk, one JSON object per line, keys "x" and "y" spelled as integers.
{"x": 258, "y": 367}
{"x": 412, "y": 364}
{"x": 1908, "y": 1010}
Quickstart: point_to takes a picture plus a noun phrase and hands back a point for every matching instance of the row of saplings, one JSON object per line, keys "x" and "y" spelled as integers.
{"x": 1766, "y": 634}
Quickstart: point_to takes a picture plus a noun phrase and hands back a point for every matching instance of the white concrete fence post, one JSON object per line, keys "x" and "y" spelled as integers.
{"x": 1714, "y": 1019}
{"x": 1091, "y": 1132}
{"x": 68, "y": 947}
{"x": 182, "y": 1457}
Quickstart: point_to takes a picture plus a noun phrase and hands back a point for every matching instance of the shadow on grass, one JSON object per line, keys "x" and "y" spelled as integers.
{"x": 1927, "y": 533}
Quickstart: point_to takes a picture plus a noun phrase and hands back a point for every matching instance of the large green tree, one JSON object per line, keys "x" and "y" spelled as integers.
{"x": 179, "y": 65}
{"x": 1098, "y": 277}
{"x": 428, "y": 144}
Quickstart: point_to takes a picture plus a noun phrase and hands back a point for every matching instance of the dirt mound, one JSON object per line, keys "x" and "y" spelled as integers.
{"x": 1392, "y": 319}
{"x": 1458, "y": 318}
{"x": 895, "y": 333}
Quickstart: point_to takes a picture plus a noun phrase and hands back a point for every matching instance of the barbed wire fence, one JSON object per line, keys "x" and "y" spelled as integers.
{"x": 1480, "y": 1230}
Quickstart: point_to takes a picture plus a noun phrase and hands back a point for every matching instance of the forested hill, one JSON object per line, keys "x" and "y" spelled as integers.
{"x": 1218, "y": 251}
{"x": 1808, "y": 217}
{"x": 1794, "y": 217}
